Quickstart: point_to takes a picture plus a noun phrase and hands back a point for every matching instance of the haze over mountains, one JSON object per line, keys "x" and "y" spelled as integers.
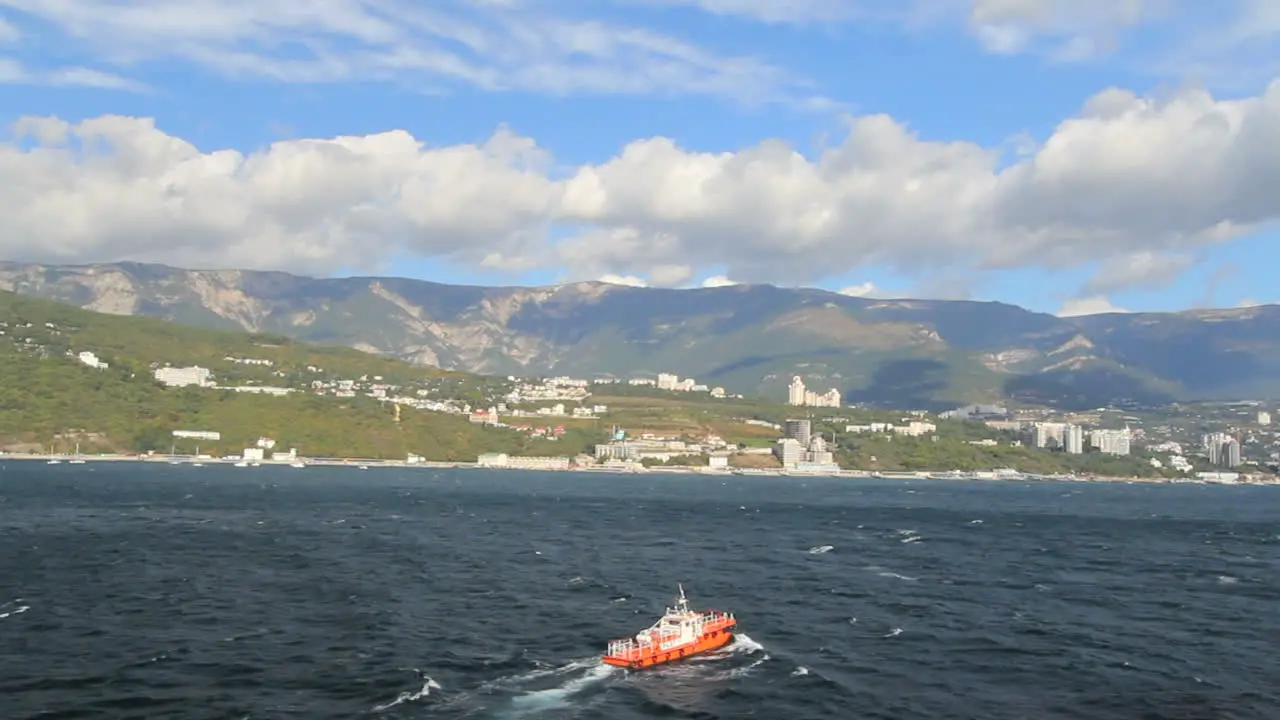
{"x": 747, "y": 338}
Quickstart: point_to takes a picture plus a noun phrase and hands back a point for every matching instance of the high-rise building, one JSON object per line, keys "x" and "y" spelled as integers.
{"x": 1048, "y": 435}
{"x": 1264, "y": 417}
{"x": 1111, "y": 442}
{"x": 1218, "y": 447}
{"x": 796, "y": 391}
{"x": 798, "y": 394}
{"x": 799, "y": 430}
{"x": 789, "y": 452}
{"x": 1073, "y": 439}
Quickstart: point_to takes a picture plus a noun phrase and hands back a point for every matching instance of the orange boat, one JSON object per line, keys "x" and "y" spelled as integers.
{"x": 680, "y": 633}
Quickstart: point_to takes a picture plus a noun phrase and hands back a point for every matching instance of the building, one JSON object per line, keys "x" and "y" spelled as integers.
{"x": 818, "y": 453}
{"x": 182, "y": 377}
{"x": 976, "y": 412}
{"x": 493, "y": 460}
{"x": 1223, "y": 450}
{"x": 798, "y": 394}
{"x": 795, "y": 391}
{"x": 523, "y": 462}
{"x": 1111, "y": 442}
{"x": 812, "y": 454}
{"x": 1048, "y": 435}
{"x": 1073, "y": 440}
{"x": 91, "y": 360}
{"x": 1264, "y": 417}
{"x": 798, "y": 430}
{"x": 789, "y": 451}
{"x": 198, "y": 434}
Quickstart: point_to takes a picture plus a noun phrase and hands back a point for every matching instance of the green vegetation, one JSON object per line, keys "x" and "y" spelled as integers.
{"x": 50, "y": 400}
{"x": 889, "y": 452}
{"x": 694, "y": 415}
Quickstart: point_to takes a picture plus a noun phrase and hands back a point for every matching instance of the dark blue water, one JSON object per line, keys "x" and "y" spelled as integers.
{"x": 161, "y": 592}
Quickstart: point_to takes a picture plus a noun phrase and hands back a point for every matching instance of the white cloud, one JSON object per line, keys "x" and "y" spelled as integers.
{"x": 716, "y": 281}
{"x": 1134, "y": 183}
{"x": 770, "y": 11}
{"x": 14, "y": 72}
{"x": 1096, "y": 305}
{"x": 1143, "y": 268}
{"x": 8, "y": 31}
{"x": 1078, "y": 29}
{"x": 628, "y": 280}
{"x": 866, "y": 289}
{"x": 428, "y": 46}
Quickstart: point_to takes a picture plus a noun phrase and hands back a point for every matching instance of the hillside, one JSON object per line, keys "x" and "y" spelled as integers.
{"x": 749, "y": 339}
{"x": 49, "y": 398}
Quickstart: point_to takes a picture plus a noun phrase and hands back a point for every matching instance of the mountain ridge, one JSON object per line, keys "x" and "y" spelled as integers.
{"x": 748, "y": 338}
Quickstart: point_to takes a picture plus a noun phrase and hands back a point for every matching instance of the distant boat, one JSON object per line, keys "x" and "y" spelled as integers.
{"x": 76, "y": 460}
{"x": 243, "y": 463}
{"x": 297, "y": 464}
{"x": 363, "y": 467}
{"x": 679, "y": 633}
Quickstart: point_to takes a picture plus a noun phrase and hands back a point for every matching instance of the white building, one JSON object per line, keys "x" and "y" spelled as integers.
{"x": 789, "y": 451}
{"x": 92, "y": 360}
{"x": 1073, "y": 440}
{"x": 182, "y": 377}
{"x": 798, "y": 394}
{"x": 1264, "y": 417}
{"x": 1111, "y": 442}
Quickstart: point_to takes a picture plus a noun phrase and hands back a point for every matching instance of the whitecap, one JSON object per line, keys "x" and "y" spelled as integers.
{"x": 16, "y": 611}
{"x": 540, "y": 700}
{"x": 425, "y": 691}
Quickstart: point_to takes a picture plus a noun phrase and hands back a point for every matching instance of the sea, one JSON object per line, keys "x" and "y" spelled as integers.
{"x": 132, "y": 590}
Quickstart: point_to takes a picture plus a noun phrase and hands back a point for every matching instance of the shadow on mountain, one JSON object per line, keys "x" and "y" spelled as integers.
{"x": 914, "y": 383}
{"x": 1084, "y": 391}
{"x": 766, "y": 363}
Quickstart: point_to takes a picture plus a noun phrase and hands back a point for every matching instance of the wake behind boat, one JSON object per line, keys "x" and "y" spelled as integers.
{"x": 679, "y": 633}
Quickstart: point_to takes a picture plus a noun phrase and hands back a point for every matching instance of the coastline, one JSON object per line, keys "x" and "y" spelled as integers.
{"x": 373, "y": 463}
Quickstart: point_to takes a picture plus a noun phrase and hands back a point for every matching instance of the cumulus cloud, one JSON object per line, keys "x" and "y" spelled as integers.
{"x": 1134, "y": 183}
{"x": 627, "y": 280}
{"x": 716, "y": 281}
{"x": 866, "y": 289}
{"x": 1096, "y": 305}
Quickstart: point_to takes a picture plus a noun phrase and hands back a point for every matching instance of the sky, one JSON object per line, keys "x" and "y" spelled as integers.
{"x": 1069, "y": 156}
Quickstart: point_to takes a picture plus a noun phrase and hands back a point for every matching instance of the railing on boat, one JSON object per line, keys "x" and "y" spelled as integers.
{"x": 630, "y": 648}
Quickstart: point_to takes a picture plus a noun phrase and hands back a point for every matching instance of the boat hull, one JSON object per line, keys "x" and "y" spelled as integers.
{"x": 711, "y": 641}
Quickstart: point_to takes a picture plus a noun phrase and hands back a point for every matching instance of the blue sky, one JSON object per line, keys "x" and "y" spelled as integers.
{"x": 1062, "y": 156}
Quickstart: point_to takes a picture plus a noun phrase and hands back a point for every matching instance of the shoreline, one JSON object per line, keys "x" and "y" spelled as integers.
{"x": 372, "y": 463}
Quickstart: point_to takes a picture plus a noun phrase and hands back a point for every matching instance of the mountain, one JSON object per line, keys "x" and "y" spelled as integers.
{"x": 747, "y": 338}
{"x": 51, "y": 398}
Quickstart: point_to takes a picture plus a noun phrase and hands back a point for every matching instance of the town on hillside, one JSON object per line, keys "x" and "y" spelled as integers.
{"x": 1205, "y": 442}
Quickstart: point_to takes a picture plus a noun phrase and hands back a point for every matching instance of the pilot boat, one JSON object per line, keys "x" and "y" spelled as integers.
{"x": 679, "y": 633}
